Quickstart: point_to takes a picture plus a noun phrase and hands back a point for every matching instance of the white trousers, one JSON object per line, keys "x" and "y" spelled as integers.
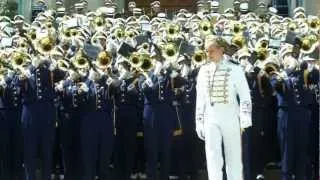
{"x": 228, "y": 134}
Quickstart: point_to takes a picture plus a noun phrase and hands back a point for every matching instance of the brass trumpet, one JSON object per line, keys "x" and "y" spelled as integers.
{"x": 262, "y": 53}
{"x": 205, "y": 28}
{"x": 199, "y": 57}
{"x": 262, "y": 44}
{"x": 63, "y": 65}
{"x": 170, "y": 51}
{"x": 80, "y": 61}
{"x": 237, "y": 28}
{"x": 135, "y": 60}
{"x": 45, "y": 45}
{"x": 314, "y": 23}
{"x": 292, "y": 26}
{"x": 309, "y": 43}
{"x": 172, "y": 31}
{"x": 130, "y": 33}
{"x": 104, "y": 59}
{"x": 32, "y": 34}
{"x": 238, "y": 40}
{"x": 19, "y": 59}
{"x": 141, "y": 62}
{"x": 119, "y": 33}
{"x": 98, "y": 23}
{"x": 146, "y": 63}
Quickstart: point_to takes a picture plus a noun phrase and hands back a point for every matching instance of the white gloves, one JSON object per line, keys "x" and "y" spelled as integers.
{"x": 83, "y": 87}
{"x": 149, "y": 82}
{"x": 200, "y": 128}
{"x": 59, "y": 86}
{"x": 109, "y": 81}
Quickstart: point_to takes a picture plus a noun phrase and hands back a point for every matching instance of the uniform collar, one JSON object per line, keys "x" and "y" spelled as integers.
{"x": 220, "y": 63}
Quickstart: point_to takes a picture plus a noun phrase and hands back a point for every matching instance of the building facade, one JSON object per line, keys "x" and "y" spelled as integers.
{"x": 285, "y": 7}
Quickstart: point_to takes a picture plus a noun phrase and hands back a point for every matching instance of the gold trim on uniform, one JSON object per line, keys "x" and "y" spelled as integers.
{"x": 218, "y": 91}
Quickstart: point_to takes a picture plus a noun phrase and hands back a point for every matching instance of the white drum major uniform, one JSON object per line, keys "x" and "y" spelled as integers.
{"x": 223, "y": 110}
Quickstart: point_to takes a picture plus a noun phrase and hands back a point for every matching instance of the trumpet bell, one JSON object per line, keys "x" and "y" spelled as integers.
{"x": 199, "y": 57}
{"x": 146, "y": 63}
{"x": 19, "y": 59}
{"x": 309, "y": 43}
{"x": 205, "y": 27}
{"x": 135, "y": 60}
{"x": 238, "y": 40}
{"x": 104, "y": 59}
{"x": 170, "y": 51}
{"x": 262, "y": 44}
{"x": 80, "y": 61}
{"x": 119, "y": 33}
{"x": 172, "y": 31}
{"x": 262, "y": 53}
{"x": 238, "y": 28}
{"x": 46, "y": 44}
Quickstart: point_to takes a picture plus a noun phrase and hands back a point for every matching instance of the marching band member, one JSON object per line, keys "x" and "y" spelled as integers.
{"x": 38, "y": 114}
{"x": 11, "y": 134}
{"x": 218, "y": 112}
{"x": 294, "y": 118}
{"x": 190, "y": 146}
{"x": 158, "y": 120}
{"x": 70, "y": 111}
{"x": 96, "y": 124}
{"x": 145, "y": 97}
{"x": 126, "y": 96}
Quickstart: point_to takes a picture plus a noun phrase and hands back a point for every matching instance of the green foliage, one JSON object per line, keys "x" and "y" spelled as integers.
{"x": 9, "y": 8}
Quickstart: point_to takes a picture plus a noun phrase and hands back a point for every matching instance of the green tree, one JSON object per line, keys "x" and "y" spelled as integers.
{"x": 9, "y": 8}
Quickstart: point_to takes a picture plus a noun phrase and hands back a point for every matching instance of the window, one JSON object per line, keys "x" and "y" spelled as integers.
{"x": 282, "y": 6}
